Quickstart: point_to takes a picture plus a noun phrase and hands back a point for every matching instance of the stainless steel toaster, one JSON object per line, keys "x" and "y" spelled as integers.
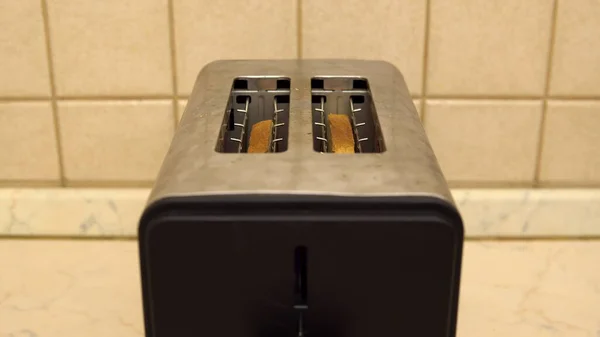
{"x": 300, "y": 239}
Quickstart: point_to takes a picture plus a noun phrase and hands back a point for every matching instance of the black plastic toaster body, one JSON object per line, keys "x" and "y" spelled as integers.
{"x": 300, "y": 240}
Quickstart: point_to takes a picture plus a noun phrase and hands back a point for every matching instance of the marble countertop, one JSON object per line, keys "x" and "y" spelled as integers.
{"x": 69, "y": 264}
{"x": 91, "y": 288}
{"x": 115, "y": 212}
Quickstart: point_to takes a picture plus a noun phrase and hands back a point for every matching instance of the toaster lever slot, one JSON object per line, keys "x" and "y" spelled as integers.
{"x": 344, "y": 116}
{"x": 257, "y": 116}
{"x": 301, "y": 286}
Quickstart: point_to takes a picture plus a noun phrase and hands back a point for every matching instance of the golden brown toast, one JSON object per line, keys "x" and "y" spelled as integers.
{"x": 341, "y": 138}
{"x": 260, "y": 137}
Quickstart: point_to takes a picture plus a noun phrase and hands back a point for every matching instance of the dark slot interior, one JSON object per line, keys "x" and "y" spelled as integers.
{"x": 351, "y": 97}
{"x": 241, "y": 99}
{"x": 240, "y": 84}
{"x": 357, "y": 99}
{"x": 300, "y": 275}
{"x": 316, "y": 83}
{"x": 251, "y": 101}
{"x": 360, "y": 84}
{"x": 231, "y": 120}
{"x": 283, "y": 84}
{"x": 316, "y": 99}
{"x": 284, "y": 99}
{"x": 300, "y": 287}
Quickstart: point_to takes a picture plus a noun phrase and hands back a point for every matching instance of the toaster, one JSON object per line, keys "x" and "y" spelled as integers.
{"x": 300, "y": 198}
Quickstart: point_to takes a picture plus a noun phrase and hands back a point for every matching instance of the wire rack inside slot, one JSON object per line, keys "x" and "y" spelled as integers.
{"x": 252, "y": 101}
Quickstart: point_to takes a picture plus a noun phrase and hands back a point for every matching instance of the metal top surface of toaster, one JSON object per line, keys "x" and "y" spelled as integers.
{"x": 405, "y": 166}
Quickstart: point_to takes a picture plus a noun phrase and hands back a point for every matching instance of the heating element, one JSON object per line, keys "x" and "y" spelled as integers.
{"x": 300, "y": 198}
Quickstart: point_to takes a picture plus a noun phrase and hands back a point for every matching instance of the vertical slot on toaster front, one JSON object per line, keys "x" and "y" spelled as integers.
{"x": 300, "y": 287}
{"x": 344, "y": 117}
{"x": 257, "y": 116}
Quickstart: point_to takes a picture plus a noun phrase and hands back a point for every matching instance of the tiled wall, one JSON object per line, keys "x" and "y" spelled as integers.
{"x": 509, "y": 90}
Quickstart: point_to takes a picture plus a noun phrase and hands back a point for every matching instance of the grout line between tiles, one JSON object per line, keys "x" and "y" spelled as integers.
{"x": 5, "y": 183}
{"x": 8, "y": 183}
{"x": 424, "y": 71}
{"x": 133, "y": 238}
{"x": 109, "y": 184}
{"x": 489, "y": 184}
{"x": 572, "y": 98}
{"x": 172, "y": 47}
{"x": 55, "y": 115}
{"x": 115, "y": 98}
{"x": 18, "y": 99}
{"x": 521, "y": 185}
{"x": 484, "y": 97}
{"x": 542, "y": 126}
{"x": 540, "y": 238}
{"x": 299, "y": 41}
{"x": 67, "y": 237}
{"x": 565, "y": 185}
{"x": 25, "y": 99}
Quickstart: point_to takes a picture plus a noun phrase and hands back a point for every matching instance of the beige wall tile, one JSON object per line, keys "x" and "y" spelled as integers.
{"x": 483, "y": 47}
{"x": 181, "y": 104}
{"x": 23, "y": 59}
{"x": 28, "y": 142}
{"x": 576, "y": 60}
{"x": 485, "y": 141}
{"x": 110, "y": 47}
{"x": 417, "y": 103}
{"x": 209, "y": 30}
{"x": 392, "y": 30}
{"x": 571, "y": 149}
{"x": 115, "y": 140}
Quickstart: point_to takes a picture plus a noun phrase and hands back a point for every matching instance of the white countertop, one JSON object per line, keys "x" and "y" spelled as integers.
{"x": 115, "y": 212}
{"x": 91, "y": 288}
{"x": 69, "y": 265}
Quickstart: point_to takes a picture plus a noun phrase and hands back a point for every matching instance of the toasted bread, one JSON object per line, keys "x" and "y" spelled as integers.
{"x": 260, "y": 137}
{"x": 341, "y": 138}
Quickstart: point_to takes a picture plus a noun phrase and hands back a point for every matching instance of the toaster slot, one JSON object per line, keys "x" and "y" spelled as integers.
{"x": 257, "y": 116}
{"x": 344, "y": 116}
{"x": 300, "y": 287}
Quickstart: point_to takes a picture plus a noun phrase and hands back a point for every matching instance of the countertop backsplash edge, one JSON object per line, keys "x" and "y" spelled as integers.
{"x": 487, "y": 213}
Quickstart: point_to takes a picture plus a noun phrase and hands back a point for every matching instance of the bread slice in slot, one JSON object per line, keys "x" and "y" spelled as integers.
{"x": 341, "y": 138}
{"x": 260, "y": 137}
